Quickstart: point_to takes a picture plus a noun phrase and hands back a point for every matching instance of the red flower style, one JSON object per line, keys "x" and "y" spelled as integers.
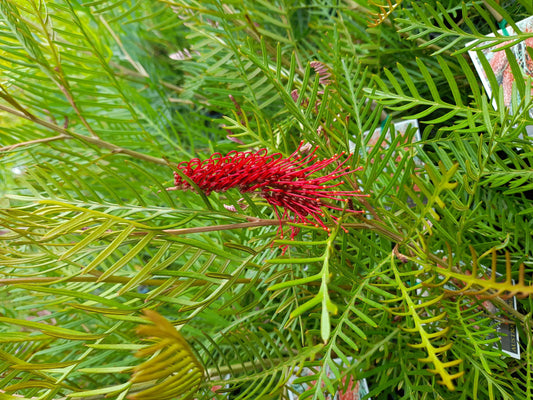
{"x": 282, "y": 182}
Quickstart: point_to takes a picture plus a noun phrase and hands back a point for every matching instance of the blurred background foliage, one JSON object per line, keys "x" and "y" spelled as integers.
{"x": 113, "y": 287}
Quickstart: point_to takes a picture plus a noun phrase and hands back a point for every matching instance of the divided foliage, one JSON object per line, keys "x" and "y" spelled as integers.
{"x": 99, "y": 102}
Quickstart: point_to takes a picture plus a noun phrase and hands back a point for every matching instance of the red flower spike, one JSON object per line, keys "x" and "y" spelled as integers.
{"x": 282, "y": 182}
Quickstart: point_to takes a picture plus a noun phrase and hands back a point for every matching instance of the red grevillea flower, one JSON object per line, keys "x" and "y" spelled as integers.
{"x": 282, "y": 182}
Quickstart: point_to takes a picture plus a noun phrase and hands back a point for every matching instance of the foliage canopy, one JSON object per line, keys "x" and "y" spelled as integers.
{"x": 100, "y": 101}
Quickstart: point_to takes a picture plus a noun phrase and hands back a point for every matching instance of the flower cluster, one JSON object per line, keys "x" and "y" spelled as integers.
{"x": 282, "y": 182}
{"x": 323, "y": 72}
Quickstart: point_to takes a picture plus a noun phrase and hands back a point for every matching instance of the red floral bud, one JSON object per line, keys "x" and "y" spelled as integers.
{"x": 282, "y": 182}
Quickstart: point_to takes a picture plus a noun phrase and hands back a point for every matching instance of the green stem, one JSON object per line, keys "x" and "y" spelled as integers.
{"x": 86, "y": 139}
{"x": 109, "y": 279}
{"x": 35, "y": 141}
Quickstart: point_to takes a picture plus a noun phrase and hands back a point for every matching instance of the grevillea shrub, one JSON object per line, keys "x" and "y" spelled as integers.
{"x": 265, "y": 200}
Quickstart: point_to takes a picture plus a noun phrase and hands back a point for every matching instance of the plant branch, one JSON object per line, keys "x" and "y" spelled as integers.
{"x": 86, "y": 139}
{"x": 110, "y": 279}
{"x": 375, "y": 226}
{"x": 214, "y": 228}
{"x": 35, "y": 141}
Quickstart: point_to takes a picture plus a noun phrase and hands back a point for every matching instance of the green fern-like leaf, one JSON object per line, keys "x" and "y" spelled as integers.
{"x": 173, "y": 370}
